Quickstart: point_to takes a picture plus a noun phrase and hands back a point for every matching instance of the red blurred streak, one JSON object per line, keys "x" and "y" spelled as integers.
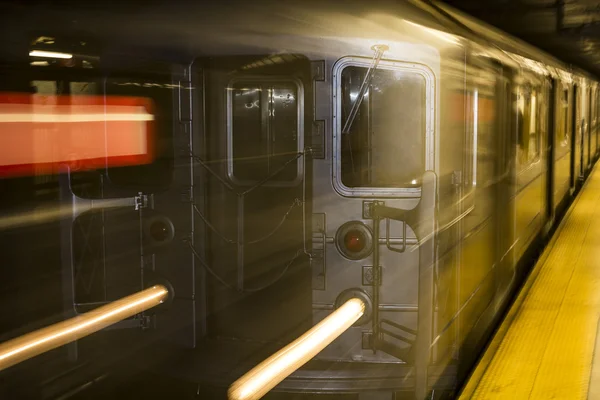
{"x": 43, "y": 134}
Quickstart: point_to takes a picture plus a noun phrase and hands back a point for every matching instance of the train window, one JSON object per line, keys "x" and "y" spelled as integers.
{"x": 83, "y": 88}
{"x": 265, "y": 132}
{"x": 481, "y": 115}
{"x": 43, "y": 88}
{"x": 593, "y": 108}
{"x": 562, "y": 128}
{"x": 383, "y": 144}
{"x": 529, "y": 132}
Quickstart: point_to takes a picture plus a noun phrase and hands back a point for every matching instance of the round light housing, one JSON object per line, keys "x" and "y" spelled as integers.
{"x": 354, "y": 240}
{"x": 158, "y": 230}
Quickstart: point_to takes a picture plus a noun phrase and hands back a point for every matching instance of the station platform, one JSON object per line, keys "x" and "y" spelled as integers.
{"x": 548, "y": 346}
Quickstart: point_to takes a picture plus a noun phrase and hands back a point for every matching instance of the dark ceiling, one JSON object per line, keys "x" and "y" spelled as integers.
{"x": 568, "y": 29}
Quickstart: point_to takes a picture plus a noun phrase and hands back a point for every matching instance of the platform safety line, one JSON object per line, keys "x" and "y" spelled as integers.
{"x": 479, "y": 371}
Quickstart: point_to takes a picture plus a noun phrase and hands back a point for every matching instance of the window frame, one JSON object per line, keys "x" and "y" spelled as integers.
{"x": 429, "y": 140}
{"x": 265, "y": 80}
{"x": 476, "y": 129}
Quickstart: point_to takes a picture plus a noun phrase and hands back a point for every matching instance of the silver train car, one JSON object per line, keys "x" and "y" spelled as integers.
{"x": 307, "y": 153}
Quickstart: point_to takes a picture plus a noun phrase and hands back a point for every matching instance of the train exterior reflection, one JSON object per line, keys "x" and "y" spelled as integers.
{"x": 401, "y": 153}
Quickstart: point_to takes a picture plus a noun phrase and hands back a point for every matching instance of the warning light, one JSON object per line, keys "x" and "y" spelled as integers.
{"x": 354, "y": 240}
{"x": 41, "y": 134}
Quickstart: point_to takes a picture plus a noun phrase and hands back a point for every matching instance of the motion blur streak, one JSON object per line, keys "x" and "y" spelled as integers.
{"x": 49, "y": 214}
{"x": 32, "y": 344}
{"x": 266, "y": 375}
{"x": 38, "y": 134}
{"x": 50, "y": 54}
{"x": 40, "y": 216}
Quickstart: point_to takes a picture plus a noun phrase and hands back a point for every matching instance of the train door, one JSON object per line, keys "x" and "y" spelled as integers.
{"x": 546, "y": 119}
{"x": 119, "y": 214}
{"x": 576, "y": 139}
{"x": 580, "y": 126}
{"x": 382, "y": 143}
{"x": 597, "y": 130}
{"x": 588, "y": 130}
{"x": 255, "y": 114}
{"x": 456, "y": 168}
{"x": 127, "y": 225}
{"x": 505, "y": 187}
{"x": 531, "y": 107}
{"x": 597, "y": 148}
{"x": 486, "y": 270}
{"x": 593, "y": 124}
{"x": 479, "y": 225}
{"x": 562, "y": 138}
{"x": 583, "y": 127}
{"x": 553, "y": 92}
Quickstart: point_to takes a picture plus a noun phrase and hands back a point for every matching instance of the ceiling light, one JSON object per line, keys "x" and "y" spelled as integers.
{"x": 50, "y": 54}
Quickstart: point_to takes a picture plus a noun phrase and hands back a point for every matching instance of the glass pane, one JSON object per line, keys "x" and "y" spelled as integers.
{"x": 384, "y": 145}
{"x": 284, "y": 130}
{"x": 565, "y": 116}
{"x": 264, "y": 131}
{"x": 47, "y": 88}
{"x": 250, "y": 143}
{"x": 528, "y": 121}
{"x": 84, "y": 88}
{"x": 533, "y": 128}
{"x": 486, "y": 140}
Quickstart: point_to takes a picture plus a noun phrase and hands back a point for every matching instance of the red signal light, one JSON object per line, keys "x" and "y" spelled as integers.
{"x": 355, "y": 241}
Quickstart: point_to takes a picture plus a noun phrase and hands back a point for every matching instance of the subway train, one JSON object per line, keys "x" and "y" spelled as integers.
{"x": 303, "y": 153}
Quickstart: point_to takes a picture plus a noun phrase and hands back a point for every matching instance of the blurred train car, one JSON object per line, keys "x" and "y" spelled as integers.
{"x": 304, "y": 153}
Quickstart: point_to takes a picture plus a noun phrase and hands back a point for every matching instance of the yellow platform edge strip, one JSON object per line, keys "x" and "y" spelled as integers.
{"x": 479, "y": 371}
